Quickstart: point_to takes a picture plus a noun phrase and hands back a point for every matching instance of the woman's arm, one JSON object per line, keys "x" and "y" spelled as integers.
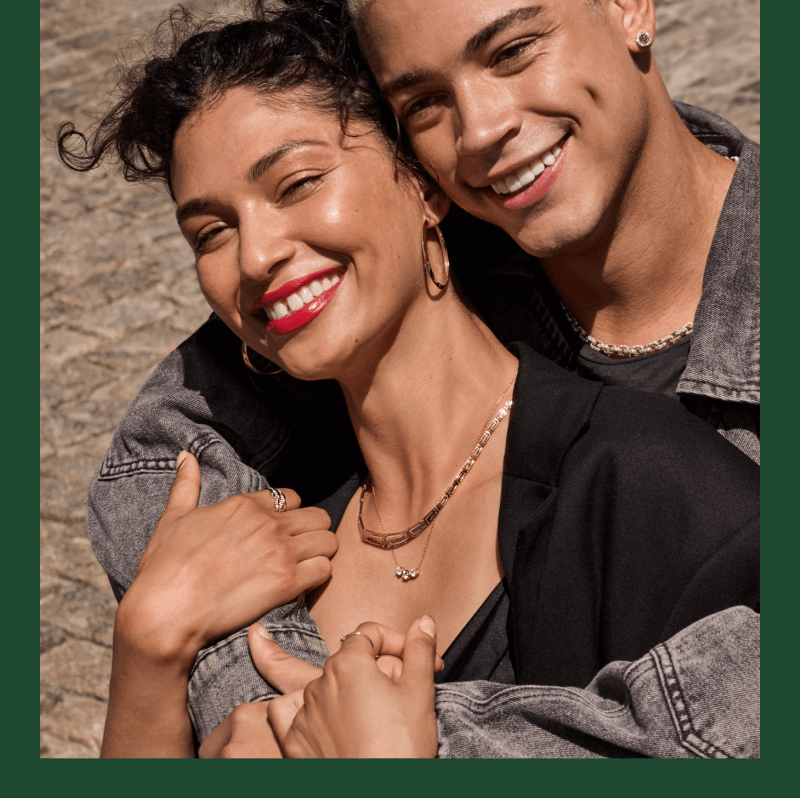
{"x": 205, "y": 573}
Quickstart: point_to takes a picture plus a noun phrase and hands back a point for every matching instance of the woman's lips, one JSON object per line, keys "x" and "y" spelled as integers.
{"x": 303, "y": 316}
{"x": 542, "y": 184}
{"x": 287, "y": 289}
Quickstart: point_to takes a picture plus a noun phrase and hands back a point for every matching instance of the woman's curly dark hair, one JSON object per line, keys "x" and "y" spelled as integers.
{"x": 271, "y": 48}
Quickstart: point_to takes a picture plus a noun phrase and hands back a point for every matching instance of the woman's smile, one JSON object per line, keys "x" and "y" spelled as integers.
{"x": 298, "y": 302}
{"x": 288, "y": 217}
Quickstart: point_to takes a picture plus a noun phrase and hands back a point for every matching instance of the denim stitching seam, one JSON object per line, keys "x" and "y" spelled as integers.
{"x": 679, "y": 709}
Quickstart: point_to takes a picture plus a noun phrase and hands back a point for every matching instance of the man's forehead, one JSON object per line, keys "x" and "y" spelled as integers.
{"x": 390, "y": 29}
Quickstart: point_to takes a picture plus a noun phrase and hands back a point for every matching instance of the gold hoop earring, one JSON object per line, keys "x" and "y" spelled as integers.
{"x": 252, "y": 367}
{"x": 445, "y": 257}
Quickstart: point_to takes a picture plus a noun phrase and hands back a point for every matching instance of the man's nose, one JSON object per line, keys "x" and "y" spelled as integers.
{"x": 263, "y": 247}
{"x": 487, "y": 117}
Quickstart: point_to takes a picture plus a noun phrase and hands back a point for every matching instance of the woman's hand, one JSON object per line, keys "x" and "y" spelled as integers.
{"x": 355, "y": 709}
{"x": 244, "y": 734}
{"x": 210, "y": 571}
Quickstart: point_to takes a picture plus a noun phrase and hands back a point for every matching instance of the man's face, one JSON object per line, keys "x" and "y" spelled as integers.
{"x": 495, "y": 93}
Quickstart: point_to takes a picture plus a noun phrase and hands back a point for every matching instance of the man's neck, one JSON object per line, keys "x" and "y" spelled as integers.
{"x": 643, "y": 277}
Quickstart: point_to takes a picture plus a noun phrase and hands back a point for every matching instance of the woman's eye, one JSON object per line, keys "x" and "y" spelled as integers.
{"x": 205, "y": 238}
{"x": 298, "y": 185}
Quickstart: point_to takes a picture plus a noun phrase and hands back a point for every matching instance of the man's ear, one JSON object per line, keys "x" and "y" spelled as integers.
{"x": 632, "y": 17}
{"x": 435, "y": 203}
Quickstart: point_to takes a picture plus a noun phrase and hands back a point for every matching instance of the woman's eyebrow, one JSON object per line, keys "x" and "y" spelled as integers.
{"x": 273, "y": 156}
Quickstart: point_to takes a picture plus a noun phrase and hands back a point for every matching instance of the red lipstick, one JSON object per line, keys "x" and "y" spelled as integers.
{"x": 294, "y": 321}
{"x": 287, "y": 289}
{"x": 541, "y": 185}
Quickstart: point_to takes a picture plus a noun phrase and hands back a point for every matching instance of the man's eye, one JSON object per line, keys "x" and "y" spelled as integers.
{"x": 515, "y": 50}
{"x": 418, "y": 106}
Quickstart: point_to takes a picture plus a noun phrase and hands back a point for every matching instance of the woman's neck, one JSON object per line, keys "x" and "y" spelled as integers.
{"x": 420, "y": 409}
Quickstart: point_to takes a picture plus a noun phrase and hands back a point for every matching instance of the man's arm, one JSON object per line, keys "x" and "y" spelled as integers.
{"x": 697, "y": 695}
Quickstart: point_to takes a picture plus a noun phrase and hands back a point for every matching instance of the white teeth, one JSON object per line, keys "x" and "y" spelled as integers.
{"x": 301, "y": 297}
{"x": 306, "y": 295}
{"x": 527, "y": 174}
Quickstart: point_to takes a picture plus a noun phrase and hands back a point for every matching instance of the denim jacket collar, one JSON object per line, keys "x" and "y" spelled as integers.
{"x": 724, "y": 360}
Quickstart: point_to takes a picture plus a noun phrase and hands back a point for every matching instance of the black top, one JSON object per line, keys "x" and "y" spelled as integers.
{"x": 658, "y": 372}
{"x": 623, "y": 519}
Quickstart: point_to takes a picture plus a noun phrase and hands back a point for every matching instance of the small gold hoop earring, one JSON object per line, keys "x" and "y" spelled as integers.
{"x": 644, "y": 39}
{"x": 252, "y": 367}
{"x": 445, "y": 256}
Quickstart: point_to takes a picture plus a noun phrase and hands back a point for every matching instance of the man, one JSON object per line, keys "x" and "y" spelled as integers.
{"x": 549, "y": 121}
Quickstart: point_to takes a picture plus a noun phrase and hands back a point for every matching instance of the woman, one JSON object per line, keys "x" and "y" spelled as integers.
{"x": 317, "y": 246}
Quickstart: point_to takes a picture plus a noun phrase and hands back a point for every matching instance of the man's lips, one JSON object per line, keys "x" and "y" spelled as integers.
{"x": 287, "y": 289}
{"x": 541, "y": 186}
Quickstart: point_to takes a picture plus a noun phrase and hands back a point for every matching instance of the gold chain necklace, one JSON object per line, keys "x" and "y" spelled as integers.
{"x": 397, "y": 539}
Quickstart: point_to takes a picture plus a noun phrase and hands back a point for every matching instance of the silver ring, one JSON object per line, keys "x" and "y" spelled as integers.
{"x": 344, "y": 637}
{"x": 280, "y": 499}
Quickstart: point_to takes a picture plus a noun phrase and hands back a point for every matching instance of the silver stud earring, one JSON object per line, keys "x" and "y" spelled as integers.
{"x": 644, "y": 39}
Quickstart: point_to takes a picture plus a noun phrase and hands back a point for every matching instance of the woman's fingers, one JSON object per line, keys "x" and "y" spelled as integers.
{"x": 280, "y": 669}
{"x": 281, "y": 713}
{"x": 316, "y": 543}
{"x": 292, "y": 499}
{"x": 185, "y": 491}
{"x": 376, "y": 639}
{"x": 419, "y": 653}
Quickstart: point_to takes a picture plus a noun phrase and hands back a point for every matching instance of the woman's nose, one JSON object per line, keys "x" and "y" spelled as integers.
{"x": 487, "y": 118}
{"x": 263, "y": 247}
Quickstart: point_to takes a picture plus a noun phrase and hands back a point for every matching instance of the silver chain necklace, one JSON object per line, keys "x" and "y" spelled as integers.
{"x": 620, "y": 350}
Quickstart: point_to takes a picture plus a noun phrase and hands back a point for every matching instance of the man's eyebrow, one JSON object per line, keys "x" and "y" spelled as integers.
{"x": 487, "y": 33}
{"x": 472, "y": 46}
{"x": 271, "y": 158}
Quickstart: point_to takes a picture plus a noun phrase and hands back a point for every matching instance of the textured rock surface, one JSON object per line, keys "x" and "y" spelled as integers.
{"x": 118, "y": 293}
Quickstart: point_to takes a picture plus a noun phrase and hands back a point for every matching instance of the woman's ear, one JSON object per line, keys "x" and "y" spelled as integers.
{"x": 435, "y": 204}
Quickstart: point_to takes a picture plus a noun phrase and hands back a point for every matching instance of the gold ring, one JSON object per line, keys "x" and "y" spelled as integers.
{"x": 280, "y": 499}
{"x": 344, "y": 637}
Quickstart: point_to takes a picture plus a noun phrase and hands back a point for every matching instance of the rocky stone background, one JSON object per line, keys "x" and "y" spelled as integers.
{"x": 118, "y": 293}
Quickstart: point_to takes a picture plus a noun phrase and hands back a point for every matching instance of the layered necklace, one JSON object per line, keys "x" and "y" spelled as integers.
{"x": 396, "y": 539}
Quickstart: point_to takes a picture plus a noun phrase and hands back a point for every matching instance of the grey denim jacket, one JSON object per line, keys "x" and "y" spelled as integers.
{"x": 201, "y": 399}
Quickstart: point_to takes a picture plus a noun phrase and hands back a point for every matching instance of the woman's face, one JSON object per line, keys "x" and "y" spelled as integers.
{"x": 307, "y": 241}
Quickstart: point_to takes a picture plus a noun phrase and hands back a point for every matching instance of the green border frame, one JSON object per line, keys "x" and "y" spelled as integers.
{"x": 779, "y": 69}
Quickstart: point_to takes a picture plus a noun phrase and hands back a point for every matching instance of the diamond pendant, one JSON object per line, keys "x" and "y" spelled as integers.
{"x": 405, "y": 574}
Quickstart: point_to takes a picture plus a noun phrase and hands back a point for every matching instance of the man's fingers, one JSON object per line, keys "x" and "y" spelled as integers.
{"x": 317, "y": 543}
{"x": 419, "y": 654}
{"x": 185, "y": 491}
{"x": 282, "y": 670}
{"x": 281, "y": 712}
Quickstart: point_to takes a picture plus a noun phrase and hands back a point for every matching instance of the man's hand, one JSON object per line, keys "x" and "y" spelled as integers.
{"x": 210, "y": 571}
{"x": 355, "y": 709}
